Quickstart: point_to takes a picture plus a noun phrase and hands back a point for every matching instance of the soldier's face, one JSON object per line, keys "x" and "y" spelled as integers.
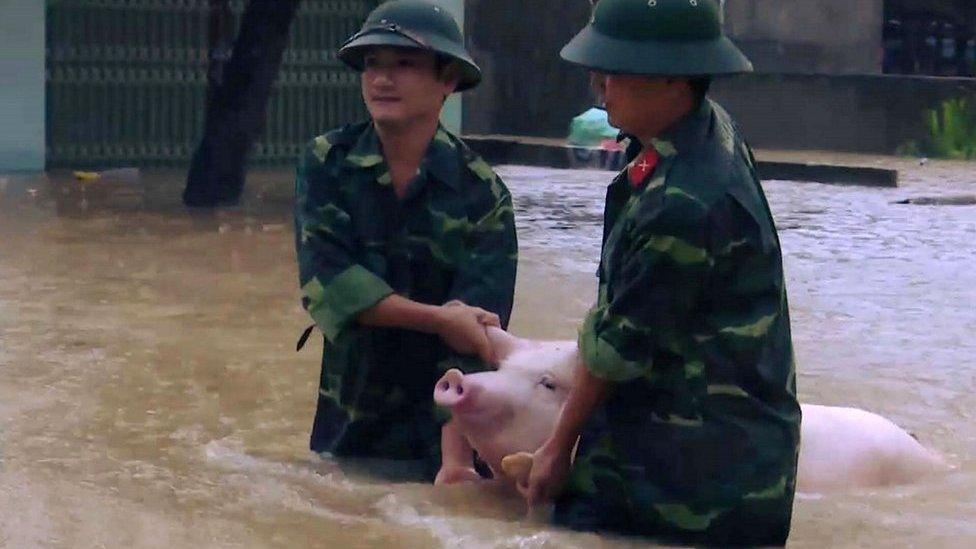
{"x": 403, "y": 85}
{"x": 640, "y": 105}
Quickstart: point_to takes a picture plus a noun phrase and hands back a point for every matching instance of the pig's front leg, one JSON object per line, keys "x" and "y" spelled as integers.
{"x": 456, "y": 457}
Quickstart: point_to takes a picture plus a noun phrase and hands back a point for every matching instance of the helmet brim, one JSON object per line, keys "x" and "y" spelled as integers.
{"x": 596, "y": 51}
{"x": 353, "y": 51}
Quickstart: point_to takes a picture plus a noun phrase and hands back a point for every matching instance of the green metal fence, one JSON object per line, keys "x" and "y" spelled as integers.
{"x": 126, "y": 80}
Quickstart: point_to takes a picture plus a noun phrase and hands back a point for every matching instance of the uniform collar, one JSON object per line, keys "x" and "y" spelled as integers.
{"x": 440, "y": 161}
{"x": 687, "y": 134}
{"x": 366, "y": 151}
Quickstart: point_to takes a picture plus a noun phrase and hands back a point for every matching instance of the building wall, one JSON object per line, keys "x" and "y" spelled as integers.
{"x": 452, "y": 113}
{"x": 527, "y": 89}
{"x": 802, "y": 96}
{"x": 854, "y": 113}
{"x": 804, "y": 36}
{"x": 21, "y": 85}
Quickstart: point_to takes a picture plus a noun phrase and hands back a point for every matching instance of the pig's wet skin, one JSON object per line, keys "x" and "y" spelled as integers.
{"x": 514, "y": 408}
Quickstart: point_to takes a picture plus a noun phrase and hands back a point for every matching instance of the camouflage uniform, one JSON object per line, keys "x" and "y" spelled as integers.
{"x": 451, "y": 237}
{"x": 697, "y": 441}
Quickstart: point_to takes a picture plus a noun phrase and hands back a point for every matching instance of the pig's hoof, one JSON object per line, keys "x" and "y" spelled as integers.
{"x": 517, "y": 466}
{"x": 456, "y": 475}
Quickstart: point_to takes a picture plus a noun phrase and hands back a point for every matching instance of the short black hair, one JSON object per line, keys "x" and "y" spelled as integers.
{"x": 441, "y": 62}
{"x": 699, "y": 87}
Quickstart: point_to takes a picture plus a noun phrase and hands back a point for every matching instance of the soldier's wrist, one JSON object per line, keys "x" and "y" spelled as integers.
{"x": 562, "y": 441}
{"x": 439, "y": 319}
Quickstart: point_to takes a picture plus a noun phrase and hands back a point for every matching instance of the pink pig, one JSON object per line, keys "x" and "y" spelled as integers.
{"x": 514, "y": 408}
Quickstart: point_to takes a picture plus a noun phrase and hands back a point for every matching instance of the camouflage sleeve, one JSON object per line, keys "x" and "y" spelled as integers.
{"x": 647, "y": 304}
{"x": 747, "y": 288}
{"x": 335, "y": 288}
{"x": 487, "y": 278}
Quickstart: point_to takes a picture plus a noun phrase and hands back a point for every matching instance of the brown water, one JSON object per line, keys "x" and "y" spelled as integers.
{"x": 150, "y": 395}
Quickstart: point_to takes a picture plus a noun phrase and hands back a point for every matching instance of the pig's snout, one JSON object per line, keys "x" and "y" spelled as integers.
{"x": 450, "y": 390}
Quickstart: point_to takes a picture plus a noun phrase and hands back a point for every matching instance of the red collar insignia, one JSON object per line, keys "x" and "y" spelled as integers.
{"x": 642, "y": 166}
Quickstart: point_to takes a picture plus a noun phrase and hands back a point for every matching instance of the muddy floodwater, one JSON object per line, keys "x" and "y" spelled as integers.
{"x": 151, "y": 395}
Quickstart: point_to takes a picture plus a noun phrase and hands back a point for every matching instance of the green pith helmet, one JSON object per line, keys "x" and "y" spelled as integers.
{"x": 412, "y": 24}
{"x": 656, "y": 37}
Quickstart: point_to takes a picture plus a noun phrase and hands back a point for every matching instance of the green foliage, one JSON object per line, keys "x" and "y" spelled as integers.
{"x": 952, "y": 130}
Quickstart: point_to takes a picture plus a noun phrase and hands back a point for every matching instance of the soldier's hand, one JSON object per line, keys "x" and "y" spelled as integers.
{"x": 486, "y": 317}
{"x": 463, "y": 328}
{"x": 550, "y": 468}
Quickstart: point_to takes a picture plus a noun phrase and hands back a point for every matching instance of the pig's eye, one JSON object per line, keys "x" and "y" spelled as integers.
{"x": 547, "y": 383}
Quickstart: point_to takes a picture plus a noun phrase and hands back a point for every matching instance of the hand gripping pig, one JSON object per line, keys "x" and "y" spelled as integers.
{"x": 512, "y": 410}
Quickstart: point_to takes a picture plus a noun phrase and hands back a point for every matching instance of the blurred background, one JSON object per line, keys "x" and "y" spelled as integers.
{"x": 93, "y": 83}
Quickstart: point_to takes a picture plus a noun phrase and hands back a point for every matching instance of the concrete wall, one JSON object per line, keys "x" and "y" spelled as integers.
{"x": 527, "y": 89}
{"x": 804, "y": 36}
{"x": 452, "y": 114}
{"x": 21, "y": 85}
{"x": 869, "y": 114}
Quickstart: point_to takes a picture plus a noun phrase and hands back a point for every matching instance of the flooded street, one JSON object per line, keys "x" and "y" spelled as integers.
{"x": 151, "y": 395}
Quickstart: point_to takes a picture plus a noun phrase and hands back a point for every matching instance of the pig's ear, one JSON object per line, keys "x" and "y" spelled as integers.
{"x": 503, "y": 342}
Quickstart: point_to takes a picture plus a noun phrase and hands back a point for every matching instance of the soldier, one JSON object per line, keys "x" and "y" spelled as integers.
{"x": 405, "y": 239}
{"x": 686, "y": 395}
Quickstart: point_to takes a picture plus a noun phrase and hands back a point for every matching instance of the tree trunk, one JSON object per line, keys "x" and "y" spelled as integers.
{"x": 237, "y": 98}
{"x": 220, "y": 45}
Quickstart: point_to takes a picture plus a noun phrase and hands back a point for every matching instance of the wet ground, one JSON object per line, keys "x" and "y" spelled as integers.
{"x": 150, "y": 395}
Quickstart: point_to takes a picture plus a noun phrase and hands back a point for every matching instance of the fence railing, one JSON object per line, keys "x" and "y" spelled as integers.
{"x": 127, "y": 80}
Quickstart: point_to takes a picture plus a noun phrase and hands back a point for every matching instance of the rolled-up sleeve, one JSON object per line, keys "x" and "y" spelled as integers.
{"x": 599, "y": 354}
{"x": 335, "y": 287}
{"x": 648, "y": 304}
